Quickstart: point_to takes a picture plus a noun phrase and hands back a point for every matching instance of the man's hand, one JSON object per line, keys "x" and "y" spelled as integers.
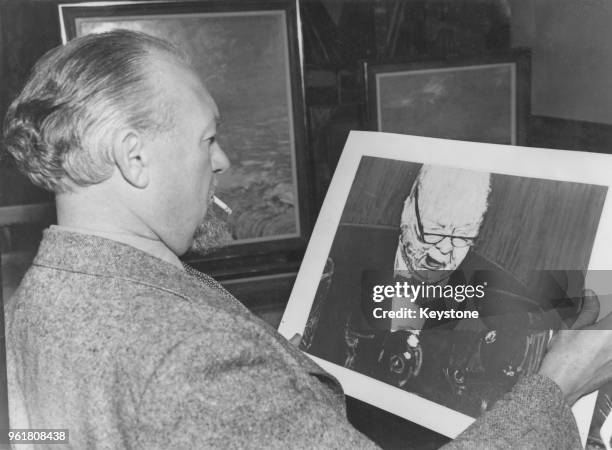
{"x": 579, "y": 360}
{"x": 296, "y": 339}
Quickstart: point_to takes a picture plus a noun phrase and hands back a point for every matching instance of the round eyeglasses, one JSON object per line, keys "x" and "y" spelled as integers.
{"x": 435, "y": 238}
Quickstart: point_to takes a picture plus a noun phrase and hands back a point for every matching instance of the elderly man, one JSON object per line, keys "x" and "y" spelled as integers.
{"x": 440, "y": 221}
{"x": 109, "y": 336}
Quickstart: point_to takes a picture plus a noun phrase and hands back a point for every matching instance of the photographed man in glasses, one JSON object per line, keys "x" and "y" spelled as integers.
{"x": 439, "y": 225}
{"x": 440, "y": 222}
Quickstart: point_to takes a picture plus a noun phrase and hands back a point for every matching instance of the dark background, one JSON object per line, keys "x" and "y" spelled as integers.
{"x": 571, "y": 101}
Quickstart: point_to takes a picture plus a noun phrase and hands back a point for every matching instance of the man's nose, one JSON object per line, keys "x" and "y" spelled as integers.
{"x": 220, "y": 162}
{"x": 445, "y": 245}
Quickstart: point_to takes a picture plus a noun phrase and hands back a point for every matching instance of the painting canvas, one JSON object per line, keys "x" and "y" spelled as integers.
{"x": 484, "y": 101}
{"x": 514, "y": 224}
{"x": 247, "y": 55}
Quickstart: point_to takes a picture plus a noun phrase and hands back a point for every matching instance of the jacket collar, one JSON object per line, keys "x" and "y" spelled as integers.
{"x": 97, "y": 256}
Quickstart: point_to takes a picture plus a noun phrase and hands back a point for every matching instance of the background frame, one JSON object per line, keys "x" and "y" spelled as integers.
{"x": 452, "y": 98}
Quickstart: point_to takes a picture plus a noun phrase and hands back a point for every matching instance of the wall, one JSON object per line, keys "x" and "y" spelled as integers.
{"x": 571, "y": 42}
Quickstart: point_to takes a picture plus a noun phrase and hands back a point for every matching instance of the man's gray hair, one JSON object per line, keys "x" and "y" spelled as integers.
{"x": 456, "y": 191}
{"x": 60, "y": 128}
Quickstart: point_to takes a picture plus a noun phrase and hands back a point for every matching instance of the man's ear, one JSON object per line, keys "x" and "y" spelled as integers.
{"x": 131, "y": 157}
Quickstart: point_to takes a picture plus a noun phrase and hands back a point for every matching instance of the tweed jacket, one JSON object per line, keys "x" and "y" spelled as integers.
{"x": 127, "y": 351}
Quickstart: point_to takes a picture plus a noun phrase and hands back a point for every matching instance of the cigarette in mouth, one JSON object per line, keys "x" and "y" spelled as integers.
{"x": 217, "y": 201}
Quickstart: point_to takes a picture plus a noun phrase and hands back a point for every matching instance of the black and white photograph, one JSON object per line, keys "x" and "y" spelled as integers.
{"x": 253, "y": 224}
{"x": 447, "y": 227}
{"x": 522, "y": 244}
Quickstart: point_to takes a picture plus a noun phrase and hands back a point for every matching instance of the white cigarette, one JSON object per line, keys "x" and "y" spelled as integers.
{"x": 217, "y": 201}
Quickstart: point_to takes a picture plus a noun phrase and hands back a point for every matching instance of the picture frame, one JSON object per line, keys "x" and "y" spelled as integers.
{"x": 453, "y": 98}
{"x": 357, "y": 232}
{"x": 249, "y": 55}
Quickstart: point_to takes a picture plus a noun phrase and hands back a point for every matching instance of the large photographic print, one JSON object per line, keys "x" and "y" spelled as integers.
{"x": 484, "y": 100}
{"x": 411, "y": 221}
{"x": 247, "y": 55}
{"x": 447, "y": 227}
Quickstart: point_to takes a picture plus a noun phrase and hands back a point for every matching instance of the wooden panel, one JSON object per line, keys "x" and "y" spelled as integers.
{"x": 378, "y": 192}
{"x": 534, "y": 224}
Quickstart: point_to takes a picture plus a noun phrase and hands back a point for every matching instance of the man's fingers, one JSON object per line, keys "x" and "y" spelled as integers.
{"x": 605, "y": 323}
{"x": 295, "y": 340}
{"x": 589, "y": 311}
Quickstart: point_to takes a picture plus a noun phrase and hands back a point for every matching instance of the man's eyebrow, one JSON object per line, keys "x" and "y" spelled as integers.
{"x": 465, "y": 229}
{"x": 217, "y": 123}
{"x": 433, "y": 223}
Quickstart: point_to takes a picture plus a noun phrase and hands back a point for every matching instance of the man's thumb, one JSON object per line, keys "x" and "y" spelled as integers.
{"x": 589, "y": 311}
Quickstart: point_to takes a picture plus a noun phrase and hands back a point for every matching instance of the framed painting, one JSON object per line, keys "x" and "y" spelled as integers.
{"x": 248, "y": 55}
{"x": 483, "y": 100}
{"x": 438, "y": 270}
